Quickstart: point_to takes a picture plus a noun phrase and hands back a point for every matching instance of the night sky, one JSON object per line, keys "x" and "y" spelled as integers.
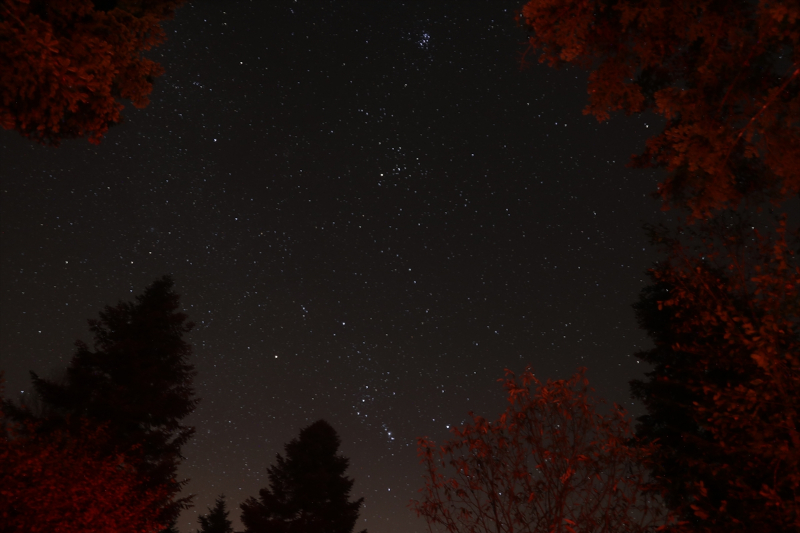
{"x": 370, "y": 211}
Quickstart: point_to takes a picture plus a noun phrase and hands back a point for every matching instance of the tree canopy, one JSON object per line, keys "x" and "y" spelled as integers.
{"x": 57, "y": 481}
{"x": 724, "y": 395}
{"x": 722, "y": 398}
{"x": 551, "y": 462}
{"x": 66, "y": 64}
{"x": 136, "y": 382}
{"x": 724, "y": 74}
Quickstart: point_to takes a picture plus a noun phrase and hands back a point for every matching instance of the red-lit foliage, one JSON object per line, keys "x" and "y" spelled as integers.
{"x": 725, "y": 75}
{"x": 65, "y": 64}
{"x": 136, "y": 382}
{"x": 551, "y": 463}
{"x": 732, "y": 318}
{"x": 53, "y": 482}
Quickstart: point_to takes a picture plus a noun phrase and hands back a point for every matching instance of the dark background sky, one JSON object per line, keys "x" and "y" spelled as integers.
{"x": 370, "y": 212}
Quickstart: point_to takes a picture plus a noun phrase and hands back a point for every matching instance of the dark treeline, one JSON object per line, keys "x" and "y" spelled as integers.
{"x": 98, "y": 450}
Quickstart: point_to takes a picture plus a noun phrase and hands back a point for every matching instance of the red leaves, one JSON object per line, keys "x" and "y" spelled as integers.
{"x": 737, "y": 309}
{"x": 712, "y": 69}
{"x": 548, "y": 463}
{"x": 65, "y": 66}
{"x": 52, "y": 482}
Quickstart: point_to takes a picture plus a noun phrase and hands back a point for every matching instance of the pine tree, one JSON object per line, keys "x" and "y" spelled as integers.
{"x": 136, "y": 382}
{"x": 666, "y": 395}
{"x": 216, "y": 520}
{"x": 308, "y": 491}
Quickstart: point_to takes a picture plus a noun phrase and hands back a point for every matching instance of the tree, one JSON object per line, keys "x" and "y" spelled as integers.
{"x": 551, "y": 463}
{"x": 216, "y": 521}
{"x": 724, "y": 396}
{"x": 308, "y": 491}
{"x": 724, "y": 74}
{"x": 66, "y": 64}
{"x": 172, "y": 527}
{"x": 136, "y": 382}
{"x": 55, "y": 481}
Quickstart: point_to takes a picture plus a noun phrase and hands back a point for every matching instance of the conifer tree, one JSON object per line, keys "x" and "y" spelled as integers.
{"x": 136, "y": 382}
{"x": 216, "y": 520}
{"x": 308, "y": 491}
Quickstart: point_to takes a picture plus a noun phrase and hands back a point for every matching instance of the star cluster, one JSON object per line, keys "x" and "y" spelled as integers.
{"x": 370, "y": 211}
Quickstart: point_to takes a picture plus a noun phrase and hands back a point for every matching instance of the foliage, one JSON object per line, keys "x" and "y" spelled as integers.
{"x": 55, "y": 481}
{"x": 308, "y": 491}
{"x": 65, "y": 64}
{"x": 136, "y": 382}
{"x": 551, "y": 463}
{"x": 724, "y": 74}
{"x": 724, "y": 396}
{"x": 172, "y": 527}
{"x": 216, "y": 521}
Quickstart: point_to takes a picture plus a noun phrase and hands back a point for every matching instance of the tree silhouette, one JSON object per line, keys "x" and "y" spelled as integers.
{"x": 136, "y": 382}
{"x": 66, "y": 64}
{"x": 724, "y": 75}
{"x": 216, "y": 520}
{"x": 550, "y": 463}
{"x": 308, "y": 491}
{"x": 724, "y": 395}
